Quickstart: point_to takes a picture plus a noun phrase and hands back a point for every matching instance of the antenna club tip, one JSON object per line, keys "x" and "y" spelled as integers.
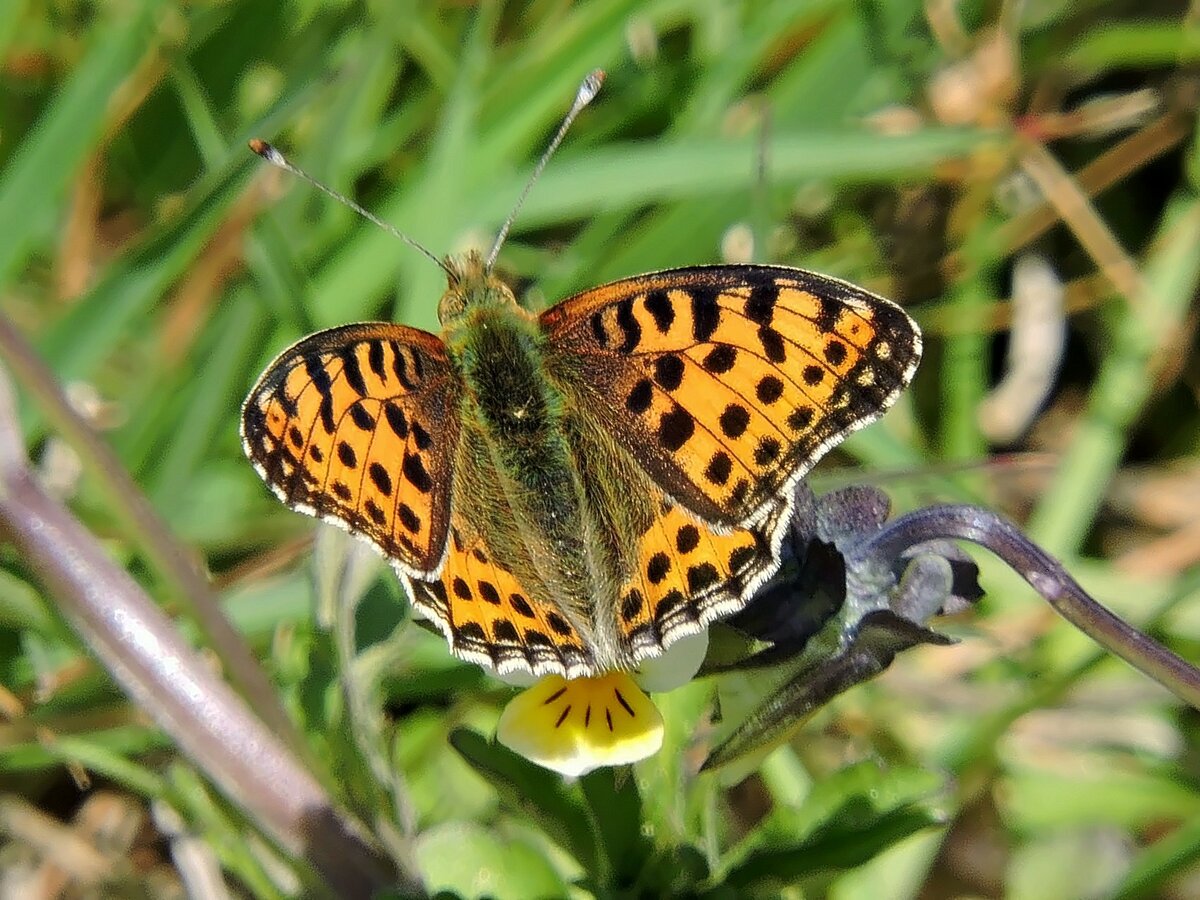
{"x": 267, "y": 152}
{"x": 591, "y": 85}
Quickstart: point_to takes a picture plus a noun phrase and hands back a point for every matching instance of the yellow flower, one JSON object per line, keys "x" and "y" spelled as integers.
{"x": 573, "y": 727}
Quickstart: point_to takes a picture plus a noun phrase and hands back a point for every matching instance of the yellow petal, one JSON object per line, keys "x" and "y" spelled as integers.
{"x": 575, "y": 726}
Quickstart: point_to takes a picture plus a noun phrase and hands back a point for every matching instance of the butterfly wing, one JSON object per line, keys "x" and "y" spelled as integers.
{"x": 359, "y": 425}
{"x": 490, "y": 616}
{"x": 725, "y": 384}
{"x": 728, "y": 383}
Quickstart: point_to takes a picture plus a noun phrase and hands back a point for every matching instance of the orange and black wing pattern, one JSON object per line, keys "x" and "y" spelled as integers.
{"x": 687, "y": 575}
{"x": 490, "y": 617}
{"x": 359, "y": 425}
{"x": 728, "y": 383}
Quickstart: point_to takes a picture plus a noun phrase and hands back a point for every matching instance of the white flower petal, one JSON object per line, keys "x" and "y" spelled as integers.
{"x": 516, "y": 678}
{"x": 676, "y": 667}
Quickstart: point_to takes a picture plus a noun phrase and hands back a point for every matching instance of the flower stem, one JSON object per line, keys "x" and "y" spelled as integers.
{"x": 1048, "y": 577}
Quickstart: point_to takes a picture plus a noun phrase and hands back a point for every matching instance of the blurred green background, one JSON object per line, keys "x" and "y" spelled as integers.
{"x": 1022, "y": 176}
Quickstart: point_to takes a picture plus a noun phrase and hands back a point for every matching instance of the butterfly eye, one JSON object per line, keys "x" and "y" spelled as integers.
{"x": 452, "y": 305}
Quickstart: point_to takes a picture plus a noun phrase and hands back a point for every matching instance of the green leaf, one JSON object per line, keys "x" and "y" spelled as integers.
{"x": 848, "y": 818}
{"x": 32, "y": 184}
{"x": 533, "y": 791}
{"x": 1136, "y": 44}
{"x": 839, "y": 847}
{"x": 473, "y": 862}
{"x": 616, "y": 809}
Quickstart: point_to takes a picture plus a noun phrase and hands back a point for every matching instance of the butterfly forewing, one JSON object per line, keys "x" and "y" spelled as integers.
{"x": 728, "y": 383}
{"x": 358, "y": 425}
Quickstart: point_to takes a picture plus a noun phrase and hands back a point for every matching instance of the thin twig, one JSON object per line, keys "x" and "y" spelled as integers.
{"x": 146, "y": 656}
{"x": 1076, "y": 210}
{"x": 1101, "y": 173}
{"x": 152, "y": 534}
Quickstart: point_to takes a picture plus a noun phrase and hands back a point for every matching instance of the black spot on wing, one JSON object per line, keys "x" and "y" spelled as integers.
{"x": 772, "y": 344}
{"x": 719, "y": 468}
{"x": 360, "y": 417}
{"x": 375, "y": 360}
{"x": 521, "y": 605}
{"x": 760, "y": 305}
{"x": 706, "y": 313}
{"x": 352, "y": 370}
{"x": 374, "y": 512}
{"x": 380, "y": 478}
{"x": 405, "y": 375}
{"x": 421, "y": 436}
{"x": 289, "y": 405}
{"x": 658, "y": 567}
{"x": 734, "y": 420}
{"x": 396, "y": 420}
{"x": 828, "y": 315}
{"x": 598, "y": 332}
{"x": 326, "y": 413}
{"x": 409, "y": 519}
{"x": 668, "y": 372}
{"x": 640, "y": 397}
{"x": 629, "y": 325}
{"x": 767, "y": 451}
{"x": 800, "y": 418}
{"x": 632, "y": 604}
{"x": 701, "y": 577}
{"x": 687, "y": 538}
{"x": 835, "y": 353}
{"x": 769, "y": 389}
{"x": 658, "y": 304}
{"x": 506, "y": 631}
{"x": 414, "y": 471}
{"x": 318, "y": 375}
{"x": 558, "y": 624}
{"x": 720, "y": 359}
{"x": 676, "y": 428}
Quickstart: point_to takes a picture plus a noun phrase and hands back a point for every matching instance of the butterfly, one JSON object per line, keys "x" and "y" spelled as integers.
{"x": 573, "y": 491}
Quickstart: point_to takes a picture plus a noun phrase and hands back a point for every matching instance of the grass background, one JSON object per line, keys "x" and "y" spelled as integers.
{"x": 157, "y": 266}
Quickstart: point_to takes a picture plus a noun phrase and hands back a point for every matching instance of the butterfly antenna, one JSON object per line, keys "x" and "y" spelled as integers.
{"x": 587, "y": 92}
{"x": 277, "y": 159}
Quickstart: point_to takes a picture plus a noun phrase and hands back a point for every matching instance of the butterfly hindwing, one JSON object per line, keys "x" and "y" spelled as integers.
{"x": 489, "y": 616}
{"x": 359, "y": 425}
{"x": 687, "y": 575}
{"x": 728, "y": 383}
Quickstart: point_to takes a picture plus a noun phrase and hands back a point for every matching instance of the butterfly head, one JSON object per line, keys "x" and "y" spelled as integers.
{"x": 471, "y": 285}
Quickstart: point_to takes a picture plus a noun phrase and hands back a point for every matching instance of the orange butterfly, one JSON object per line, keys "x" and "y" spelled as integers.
{"x": 574, "y": 491}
